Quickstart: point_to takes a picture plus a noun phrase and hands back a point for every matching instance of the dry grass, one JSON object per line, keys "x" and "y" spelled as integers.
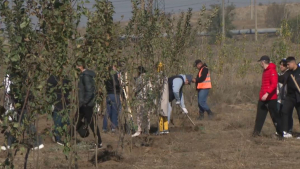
{"x": 224, "y": 142}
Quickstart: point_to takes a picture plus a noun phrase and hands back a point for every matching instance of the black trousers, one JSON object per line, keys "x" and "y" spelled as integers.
{"x": 287, "y": 111}
{"x": 87, "y": 113}
{"x": 262, "y": 110}
{"x": 290, "y": 114}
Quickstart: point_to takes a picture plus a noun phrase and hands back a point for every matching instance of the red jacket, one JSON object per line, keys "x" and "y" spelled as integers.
{"x": 269, "y": 82}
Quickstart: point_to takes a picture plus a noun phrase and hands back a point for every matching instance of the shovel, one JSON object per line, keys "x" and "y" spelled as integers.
{"x": 188, "y": 117}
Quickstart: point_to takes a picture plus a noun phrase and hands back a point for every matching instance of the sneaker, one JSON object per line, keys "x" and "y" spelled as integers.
{"x": 255, "y": 134}
{"x": 94, "y": 147}
{"x": 113, "y": 130}
{"x": 287, "y": 135}
{"x": 53, "y": 139}
{"x": 38, "y": 147}
{"x": 4, "y": 148}
{"x": 201, "y": 117}
{"x": 210, "y": 114}
{"x": 136, "y": 134}
{"x": 104, "y": 131}
{"x": 60, "y": 143}
{"x": 298, "y": 138}
{"x": 166, "y": 131}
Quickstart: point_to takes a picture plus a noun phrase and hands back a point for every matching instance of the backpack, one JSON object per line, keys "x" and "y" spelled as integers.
{"x": 83, "y": 129}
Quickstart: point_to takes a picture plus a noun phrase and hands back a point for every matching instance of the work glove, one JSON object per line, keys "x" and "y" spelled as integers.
{"x": 185, "y": 111}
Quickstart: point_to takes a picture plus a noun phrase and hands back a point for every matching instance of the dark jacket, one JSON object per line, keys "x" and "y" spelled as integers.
{"x": 203, "y": 74}
{"x": 282, "y": 79}
{"x": 87, "y": 88}
{"x": 53, "y": 83}
{"x": 292, "y": 90}
{"x": 112, "y": 84}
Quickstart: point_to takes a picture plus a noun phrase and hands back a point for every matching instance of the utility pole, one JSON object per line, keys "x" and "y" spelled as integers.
{"x": 223, "y": 21}
{"x": 159, "y": 5}
{"x": 255, "y": 6}
{"x": 251, "y": 9}
{"x": 150, "y": 6}
{"x": 143, "y": 5}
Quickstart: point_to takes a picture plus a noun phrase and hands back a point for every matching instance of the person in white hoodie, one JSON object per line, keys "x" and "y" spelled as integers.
{"x": 13, "y": 115}
{"x": 8, "y": 105}
{"x": 176, "y": 84}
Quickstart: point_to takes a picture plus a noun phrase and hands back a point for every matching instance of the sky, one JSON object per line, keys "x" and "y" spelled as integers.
{"x": 123, "y": 7}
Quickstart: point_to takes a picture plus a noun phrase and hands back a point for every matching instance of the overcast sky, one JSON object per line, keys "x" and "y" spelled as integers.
{"x": 123, "y": 7}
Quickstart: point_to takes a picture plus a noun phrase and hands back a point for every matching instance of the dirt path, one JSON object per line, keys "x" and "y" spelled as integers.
{"x": 224, "y": 142}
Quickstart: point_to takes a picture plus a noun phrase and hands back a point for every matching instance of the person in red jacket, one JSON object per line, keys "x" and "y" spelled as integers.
{"x": 268, "y": 97}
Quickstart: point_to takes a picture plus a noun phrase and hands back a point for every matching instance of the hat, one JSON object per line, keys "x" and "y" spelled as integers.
{"x": 283, "y": 61}
{"x": 141, "y": 69}
{"x": 196, "y": 62}
{"x": 189, "y": 78}
{"x": 265, "y": 57}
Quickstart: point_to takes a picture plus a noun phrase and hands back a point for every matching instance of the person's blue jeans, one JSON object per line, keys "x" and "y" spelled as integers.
{"x": 113, "y": 108}
{"x": 202, "y": 98}
{"x": 58, "y": 124}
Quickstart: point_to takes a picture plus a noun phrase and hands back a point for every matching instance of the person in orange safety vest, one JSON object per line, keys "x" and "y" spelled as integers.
{"x": 203, "y": 84}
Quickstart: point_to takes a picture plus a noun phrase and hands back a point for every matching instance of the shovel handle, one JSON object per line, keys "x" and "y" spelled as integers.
{"x": 190, "y": 119}
{"x": 295, "y": 83}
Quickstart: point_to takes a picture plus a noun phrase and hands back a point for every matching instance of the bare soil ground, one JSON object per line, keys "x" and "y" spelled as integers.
{"x": 224, "y": 142}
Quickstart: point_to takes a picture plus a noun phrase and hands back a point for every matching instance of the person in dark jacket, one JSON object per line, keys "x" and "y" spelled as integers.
{"x": 113, "y": 100}
{"x": 61, "y": 92}
{"x": 292, "y": 99}
{"x": 87, "y": 92}
{"x": 282, "y": 90}
{"x": 267, "y": 97}
{"x": 203, "y": 84}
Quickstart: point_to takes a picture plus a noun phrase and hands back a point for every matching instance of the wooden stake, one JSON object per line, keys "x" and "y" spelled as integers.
{"x": 255, "y": 7}
{"x": 251, "y": 9}
{"x": 223, "y": 21}
{"x": 295, "y": 83}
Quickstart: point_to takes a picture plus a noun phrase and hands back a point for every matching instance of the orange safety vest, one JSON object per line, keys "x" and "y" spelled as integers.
{"x": 206, "y": 84}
